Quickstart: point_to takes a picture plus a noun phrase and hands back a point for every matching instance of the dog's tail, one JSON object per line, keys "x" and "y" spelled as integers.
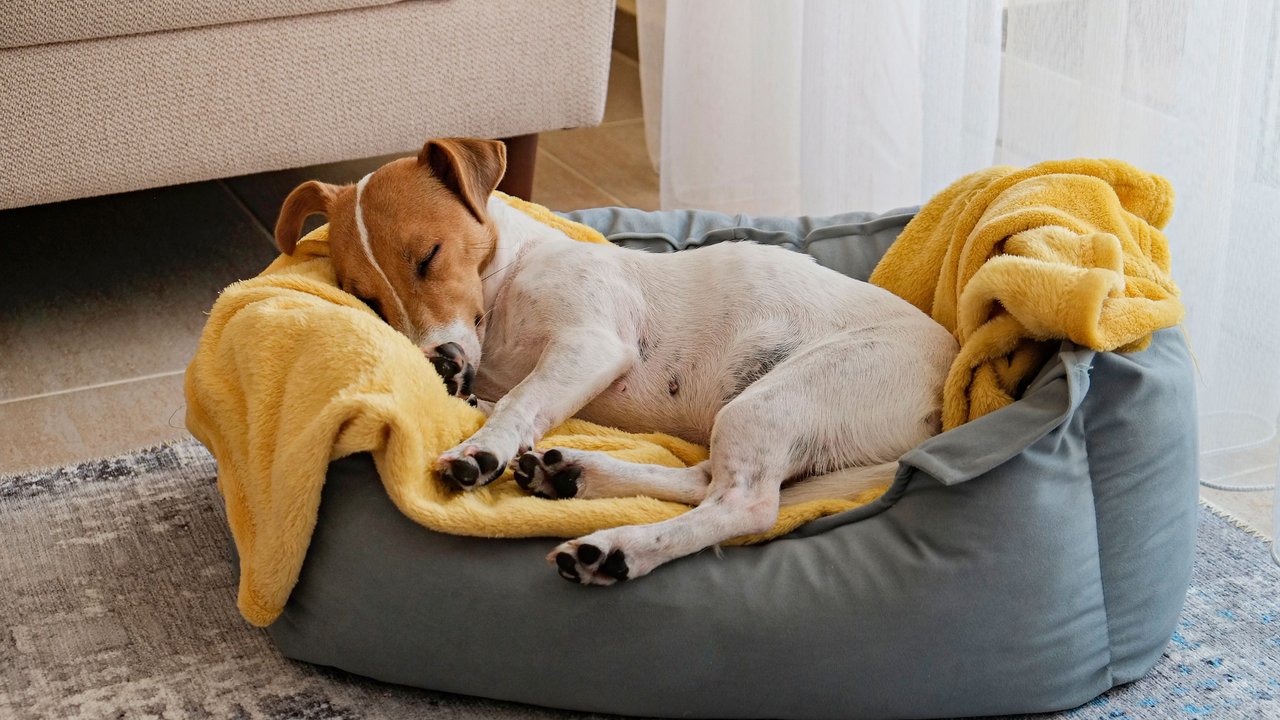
{"x": 844, "y": 484}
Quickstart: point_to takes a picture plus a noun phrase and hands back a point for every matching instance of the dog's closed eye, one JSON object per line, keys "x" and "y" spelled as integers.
{"x": 425, "y": 264}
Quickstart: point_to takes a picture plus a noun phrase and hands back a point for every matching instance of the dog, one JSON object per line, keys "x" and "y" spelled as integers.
{"x": 791, "y": 373}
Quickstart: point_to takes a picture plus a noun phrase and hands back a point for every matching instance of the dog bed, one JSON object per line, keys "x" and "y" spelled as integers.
{"x": 1024, "y": 561}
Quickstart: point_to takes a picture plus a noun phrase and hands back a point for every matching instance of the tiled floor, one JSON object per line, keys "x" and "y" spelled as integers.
{"x": 104, "y": 298}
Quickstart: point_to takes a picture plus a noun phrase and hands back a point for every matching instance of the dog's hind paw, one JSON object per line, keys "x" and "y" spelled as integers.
{"x": 548, "y": 474}
{"x": 586, "y": 563}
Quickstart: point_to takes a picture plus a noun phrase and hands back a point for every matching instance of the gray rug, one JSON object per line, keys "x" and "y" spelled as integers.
{"x": 118, "y": 601}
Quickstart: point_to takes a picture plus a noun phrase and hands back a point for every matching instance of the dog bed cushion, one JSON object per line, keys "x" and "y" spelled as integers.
{"x": 1024, "y": 561}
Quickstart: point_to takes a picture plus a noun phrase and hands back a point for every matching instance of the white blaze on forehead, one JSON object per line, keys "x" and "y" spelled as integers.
{"x": 363, "y": 232}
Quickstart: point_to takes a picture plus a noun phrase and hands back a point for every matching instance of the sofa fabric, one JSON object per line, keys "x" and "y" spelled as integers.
{"x": 1025, "y": 561}
{"x": 145, "y": 110}
{"x": 40, "y": 22}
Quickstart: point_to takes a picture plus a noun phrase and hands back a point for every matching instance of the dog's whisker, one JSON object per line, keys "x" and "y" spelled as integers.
{"x": 495, "y": 272}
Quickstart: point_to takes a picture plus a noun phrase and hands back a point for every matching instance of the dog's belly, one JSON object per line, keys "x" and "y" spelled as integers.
{"x": 651, "y": 398}
{"x": 655, "y": 395}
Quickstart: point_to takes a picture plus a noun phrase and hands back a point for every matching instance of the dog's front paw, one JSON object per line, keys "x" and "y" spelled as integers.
{"x": 548, "y": 474}
{"x": 469, "y": 466}
{"x": 453, "y": 367}
{"x": 590, "y": 561}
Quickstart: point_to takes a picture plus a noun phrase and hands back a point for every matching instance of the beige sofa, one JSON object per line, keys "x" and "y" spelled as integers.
{"x": 98, "y": 96}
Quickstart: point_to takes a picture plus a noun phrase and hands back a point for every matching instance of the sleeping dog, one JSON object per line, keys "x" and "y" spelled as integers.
{"x": 792, "y": 373}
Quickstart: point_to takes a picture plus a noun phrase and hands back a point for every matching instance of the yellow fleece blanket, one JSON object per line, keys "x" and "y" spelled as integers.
{"x": 292, "y": 373}
{"x": 1013, "y": 260}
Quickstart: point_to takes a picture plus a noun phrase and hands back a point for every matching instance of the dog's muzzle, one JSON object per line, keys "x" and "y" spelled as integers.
{"x": 451, "y": 362}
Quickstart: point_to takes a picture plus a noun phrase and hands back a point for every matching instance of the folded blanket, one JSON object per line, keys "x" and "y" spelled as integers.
{"x": 1013, "y": 261}
{"x": 292, "y": 373}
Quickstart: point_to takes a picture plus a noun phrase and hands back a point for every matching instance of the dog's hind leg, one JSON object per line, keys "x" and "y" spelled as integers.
{"x": 565, "y": 473}
{"x": 750, "y": 458}
{"x": 851, "y": 400}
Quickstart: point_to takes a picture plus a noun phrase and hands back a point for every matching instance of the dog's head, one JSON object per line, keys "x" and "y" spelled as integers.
{"x": 410, "y": 240}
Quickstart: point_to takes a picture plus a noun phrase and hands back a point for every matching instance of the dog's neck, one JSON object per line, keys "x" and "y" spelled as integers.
{"x": 516, "y": 233}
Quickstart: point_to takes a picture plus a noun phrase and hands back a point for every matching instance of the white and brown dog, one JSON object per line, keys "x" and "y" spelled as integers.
{"x": 791, "y": 372}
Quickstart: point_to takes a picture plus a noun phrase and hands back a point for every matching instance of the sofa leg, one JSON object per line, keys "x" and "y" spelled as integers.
{"x": 522, "y": 155}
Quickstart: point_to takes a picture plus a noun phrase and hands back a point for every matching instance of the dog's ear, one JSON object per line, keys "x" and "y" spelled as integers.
{"x": 309, "y": 198}
{"x": 470, "y": 168}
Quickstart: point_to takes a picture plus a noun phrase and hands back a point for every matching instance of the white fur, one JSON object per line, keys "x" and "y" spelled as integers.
{"x": 785, "y": 368}
{"x": 363, "y": 232}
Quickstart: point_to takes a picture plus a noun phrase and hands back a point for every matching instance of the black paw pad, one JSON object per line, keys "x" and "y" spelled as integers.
{"x": 566, "y": 481}
{"x": 552, "y": 457}
{"x": 487, "y": 461}
{"x": 463, "y": 472}
{"x": 615, "y": 566}
{"x": 588, "y": 554}
{"x": 568, "y": 568}
{"x": 446, "y": 367}
{"x": 526, "y": 466}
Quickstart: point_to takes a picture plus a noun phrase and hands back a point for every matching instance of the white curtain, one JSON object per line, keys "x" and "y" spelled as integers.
{"x": 812, "y": 107}
{"x": 785, "y": 107}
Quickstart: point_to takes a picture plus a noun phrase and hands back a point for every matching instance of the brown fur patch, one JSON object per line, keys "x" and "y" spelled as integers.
{"x": 409, "y": 208}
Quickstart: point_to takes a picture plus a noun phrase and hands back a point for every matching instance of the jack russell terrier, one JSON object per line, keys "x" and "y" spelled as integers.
{"x": 792, "y": 373}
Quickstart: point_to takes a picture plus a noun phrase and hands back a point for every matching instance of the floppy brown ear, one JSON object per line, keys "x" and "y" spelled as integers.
{"x": 470, "y": 168}
{"x": 309, "y": 198}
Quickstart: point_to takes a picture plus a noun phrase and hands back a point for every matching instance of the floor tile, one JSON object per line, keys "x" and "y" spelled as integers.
{"x": 624, "y": 99}
{"x": 116, "y": 287}
{"x": 264, "y": 193}
{"x": 98, "y": 422}
{"x": 611, "y": 156}
{"x": 560, "y": 187}
{"x": 1252, "y": 508}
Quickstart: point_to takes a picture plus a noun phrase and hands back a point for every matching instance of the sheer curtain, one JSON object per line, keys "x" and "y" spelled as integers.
{"x": 1191, "y": 90}
{"x": 785, "y": 107}
{"x": 811, "y": 107}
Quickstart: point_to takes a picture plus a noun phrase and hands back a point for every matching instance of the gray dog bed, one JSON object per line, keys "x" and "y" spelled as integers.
{"x": 1024, "y": 562}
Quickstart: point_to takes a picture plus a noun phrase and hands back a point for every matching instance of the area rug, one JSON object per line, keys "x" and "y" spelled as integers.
{"x": 118, "y": 600}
